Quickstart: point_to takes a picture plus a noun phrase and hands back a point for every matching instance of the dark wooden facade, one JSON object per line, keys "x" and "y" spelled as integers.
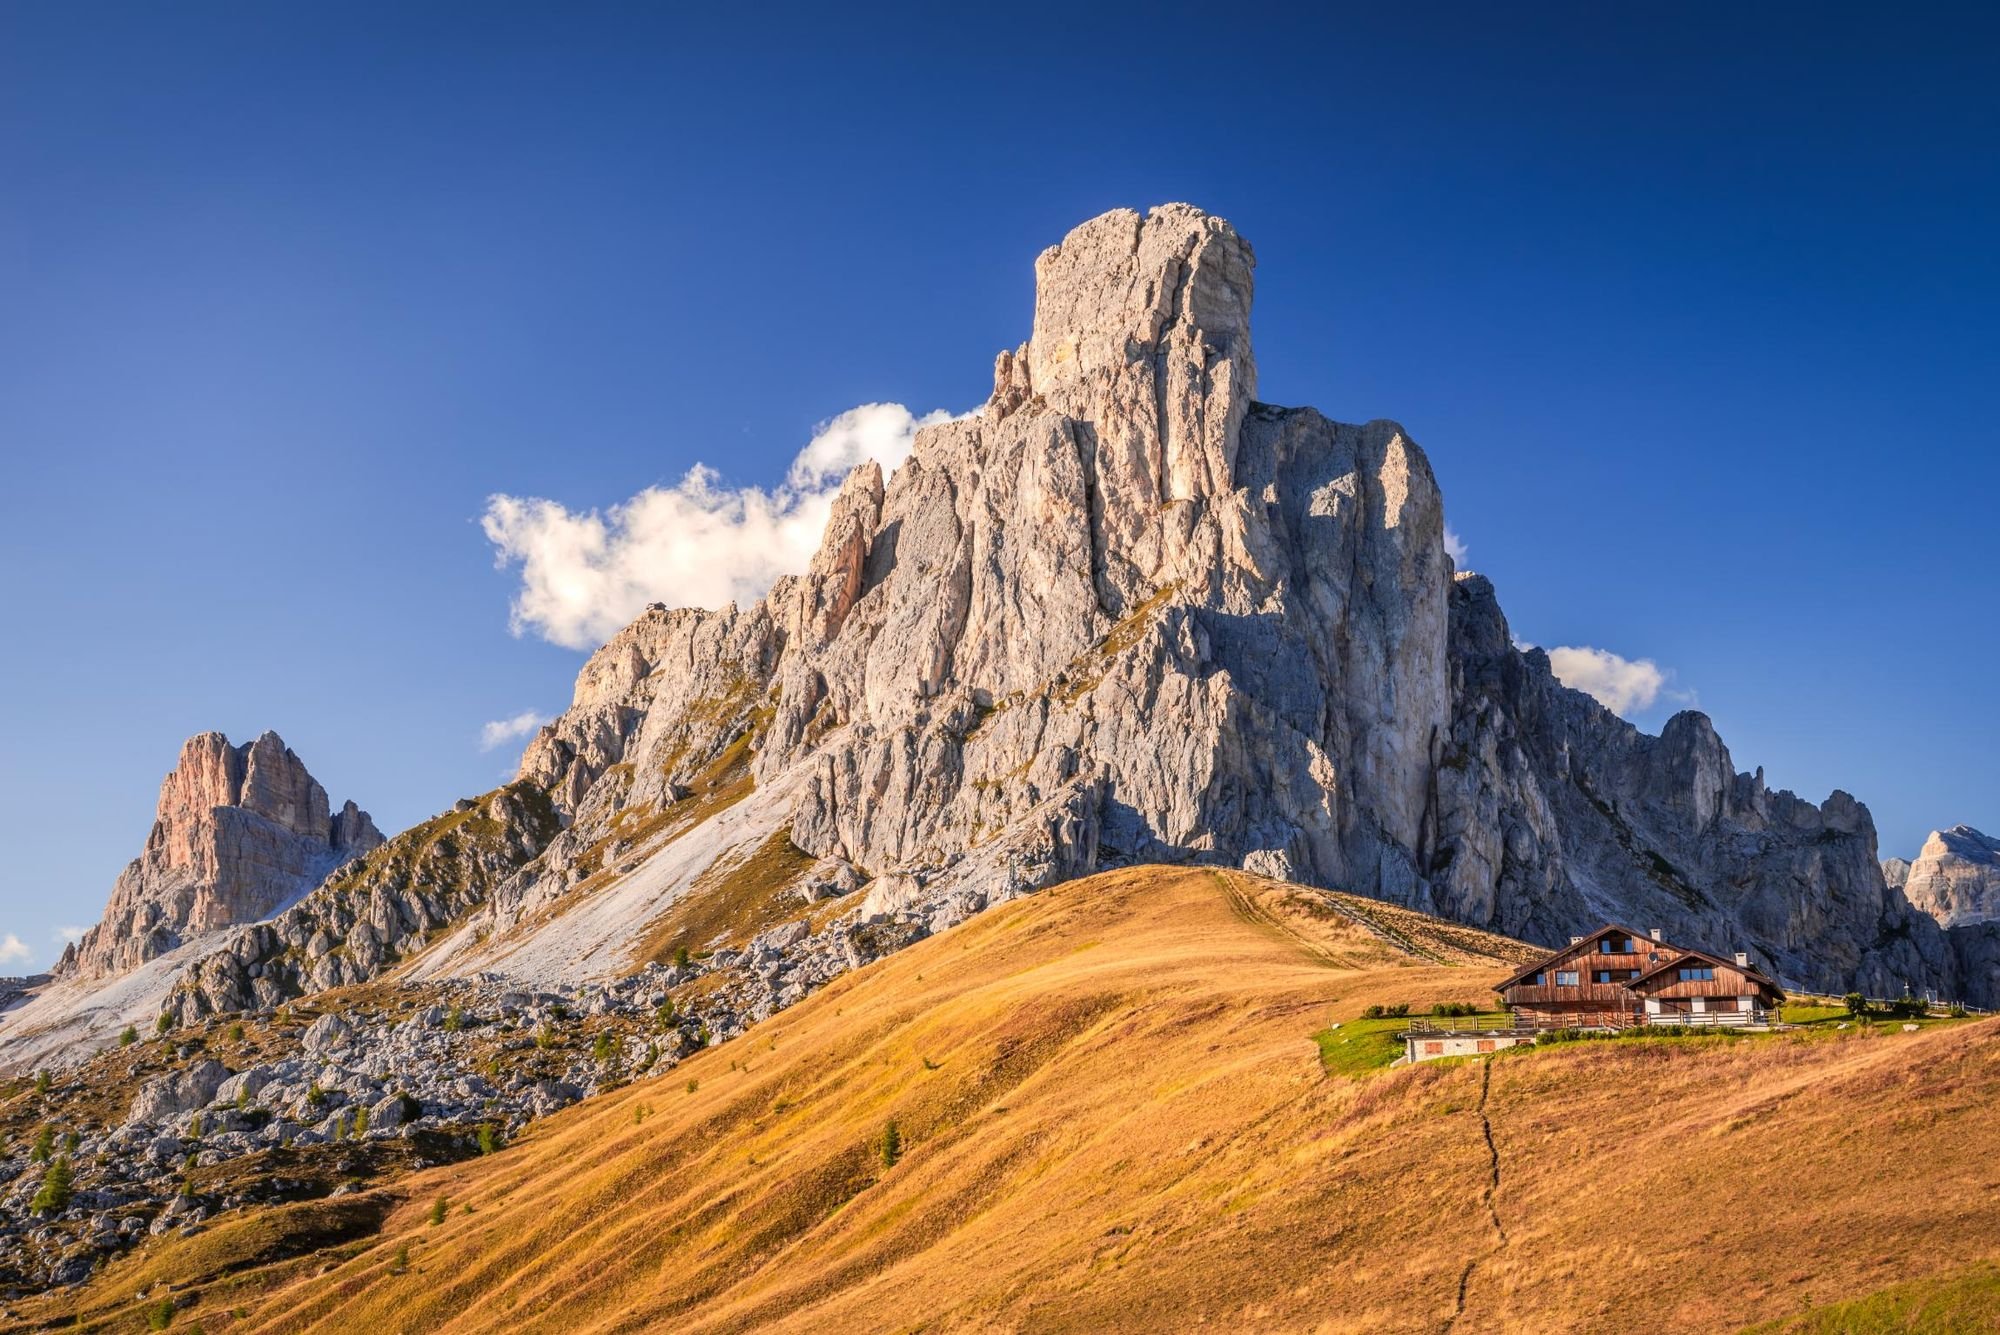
{"x": 1616, "y": 977}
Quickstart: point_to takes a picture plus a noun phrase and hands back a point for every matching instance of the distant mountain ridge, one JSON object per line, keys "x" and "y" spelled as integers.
{"x": 1955, "y": 878}
{"x": 240, "y": 831}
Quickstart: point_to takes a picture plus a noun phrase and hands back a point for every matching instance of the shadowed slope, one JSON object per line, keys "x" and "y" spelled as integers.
{"x": 1113, "y": 1117}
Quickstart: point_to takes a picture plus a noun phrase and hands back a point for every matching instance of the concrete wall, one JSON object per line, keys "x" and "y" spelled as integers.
{"x": 1430, "y": 1047}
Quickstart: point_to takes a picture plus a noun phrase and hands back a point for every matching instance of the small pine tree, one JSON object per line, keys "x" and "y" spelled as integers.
{"x": 243, "y": 1099}
{"x": 53, "y": 1196}
{"x": 489, "y": 1138}
{"x": 454, "y": 1019}
{"x": 402, "y": 1257}
{"x": 652, "y": 1055}
{"x": 681, "y": 957}
{"x": 128, "y": 1036}
{"x": 43, "y": 1081}
{"x": 315, "y": 1095}
{"x": 665, "y": 1014}
{"x": 70, "y": 1141}
{"x": 360, "y": 1120}
{"x": 439, "y": 1208}
{"x": 45, "y": 1145}
{"x": 164, "y": 1023}
{"x": 236, "y": 1032}
{"x": 194, "y": 1127}
{"x": 693, "y": 1085}
{"x": 892, "y": 1144}
{"x": 1856, "y": 1003}
{"x": 545, "y": 1037}
{"x": 600, "y": 1051}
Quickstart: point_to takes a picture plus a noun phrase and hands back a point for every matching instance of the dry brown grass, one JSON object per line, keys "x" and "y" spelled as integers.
{"x": 1114, "y": 1118}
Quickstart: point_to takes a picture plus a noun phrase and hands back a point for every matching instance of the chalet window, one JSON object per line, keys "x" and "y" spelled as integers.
{"x": 1603, "y": 976}
{"x": 1567, "y": 978}
{"x": 1698, "y": 974}
{"x": 1538, "y": 979}
{"x": 1615, "y": 945}
{"x": 1433, "y": 1049}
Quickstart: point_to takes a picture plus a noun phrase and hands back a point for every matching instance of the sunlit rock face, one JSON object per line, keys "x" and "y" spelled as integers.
{"x": 1956, "y": 877}
{"x": 1128, "y": 612}
{"x": 240, "y": 831}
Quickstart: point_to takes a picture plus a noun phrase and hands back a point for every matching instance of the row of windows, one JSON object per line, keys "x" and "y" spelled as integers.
{"x": 1574, "y": 977}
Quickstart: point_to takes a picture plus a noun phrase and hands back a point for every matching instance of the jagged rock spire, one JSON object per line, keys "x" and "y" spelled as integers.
{"x": 239, "y": 830}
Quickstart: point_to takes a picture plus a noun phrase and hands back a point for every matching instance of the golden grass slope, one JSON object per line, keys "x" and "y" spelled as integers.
{"x": 1113, "y": 1117}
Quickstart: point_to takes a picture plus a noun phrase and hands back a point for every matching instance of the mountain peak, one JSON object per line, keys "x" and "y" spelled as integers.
{"x": 1956, "y": 877}
{"x": 238, "y": 831}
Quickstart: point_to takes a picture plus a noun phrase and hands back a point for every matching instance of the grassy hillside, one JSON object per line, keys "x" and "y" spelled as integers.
{"x": 1113, "y": 1115}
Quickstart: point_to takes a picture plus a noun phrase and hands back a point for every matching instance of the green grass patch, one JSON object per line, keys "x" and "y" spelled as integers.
{"x": 1799, "y": 1012}
{"x": 1966, "y": 1301}
{"x": 1360, "y": 1046}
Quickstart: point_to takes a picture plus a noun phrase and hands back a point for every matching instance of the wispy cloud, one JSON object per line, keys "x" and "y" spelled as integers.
{"x": 13, "y": 950}
{"x": 503, "y": 730}
{"x": 585, "y": 574}
{"x": 68, "y": 934}
{"x": 1455, "y": 547}
{"x": 1625, "y": 686}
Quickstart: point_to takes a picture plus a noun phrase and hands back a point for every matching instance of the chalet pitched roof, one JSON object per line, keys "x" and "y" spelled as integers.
{"x": 1578, "y": 946}
{"x": 1750, "y": 971}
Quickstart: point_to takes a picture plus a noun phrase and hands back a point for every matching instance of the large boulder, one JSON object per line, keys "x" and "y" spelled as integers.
{"x": 178, "y": 1092}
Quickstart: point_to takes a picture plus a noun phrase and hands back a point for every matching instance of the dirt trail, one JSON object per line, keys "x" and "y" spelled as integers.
{"x": 1488, "y": 1197}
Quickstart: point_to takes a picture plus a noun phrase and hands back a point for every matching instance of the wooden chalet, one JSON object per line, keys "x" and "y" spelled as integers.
{"x": 1615, "y": 978}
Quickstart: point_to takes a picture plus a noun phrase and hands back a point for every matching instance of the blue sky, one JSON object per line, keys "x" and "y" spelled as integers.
{"x": 1694, "y": 307}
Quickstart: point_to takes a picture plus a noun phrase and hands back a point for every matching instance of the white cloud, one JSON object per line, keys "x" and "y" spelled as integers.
{"x": 1454, "y": 547}
{"x": 67, "y": 934}
{"x": 13, "y": 950}
{"x": 1621, "y": 685}
{"x": 507, "y": 729}
{"x": 586, "y": 574}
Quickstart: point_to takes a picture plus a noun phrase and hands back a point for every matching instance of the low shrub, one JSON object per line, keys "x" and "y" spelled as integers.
{"x": 1386, "y": 1012}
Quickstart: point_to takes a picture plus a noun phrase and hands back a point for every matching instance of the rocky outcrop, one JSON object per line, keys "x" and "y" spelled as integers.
{"x": 1557, "y": 816}
{"x": 240, "y": 831}
{"x": 1123, "y": 613}
{"x": 1956, "y": 877}
{"x": 374, "y": 912}
{"x": 1126, "y": 612}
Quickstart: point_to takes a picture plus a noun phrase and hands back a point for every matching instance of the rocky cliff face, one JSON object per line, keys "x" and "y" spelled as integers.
{"x": 1558, "y": 816}
{"x": 1123, "y": 613}
{"x": 376, "y": 911}
{"x": 240, "y": 831}
{"x": 1126, "y": 612}
{"x": 1956, "y": 877}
